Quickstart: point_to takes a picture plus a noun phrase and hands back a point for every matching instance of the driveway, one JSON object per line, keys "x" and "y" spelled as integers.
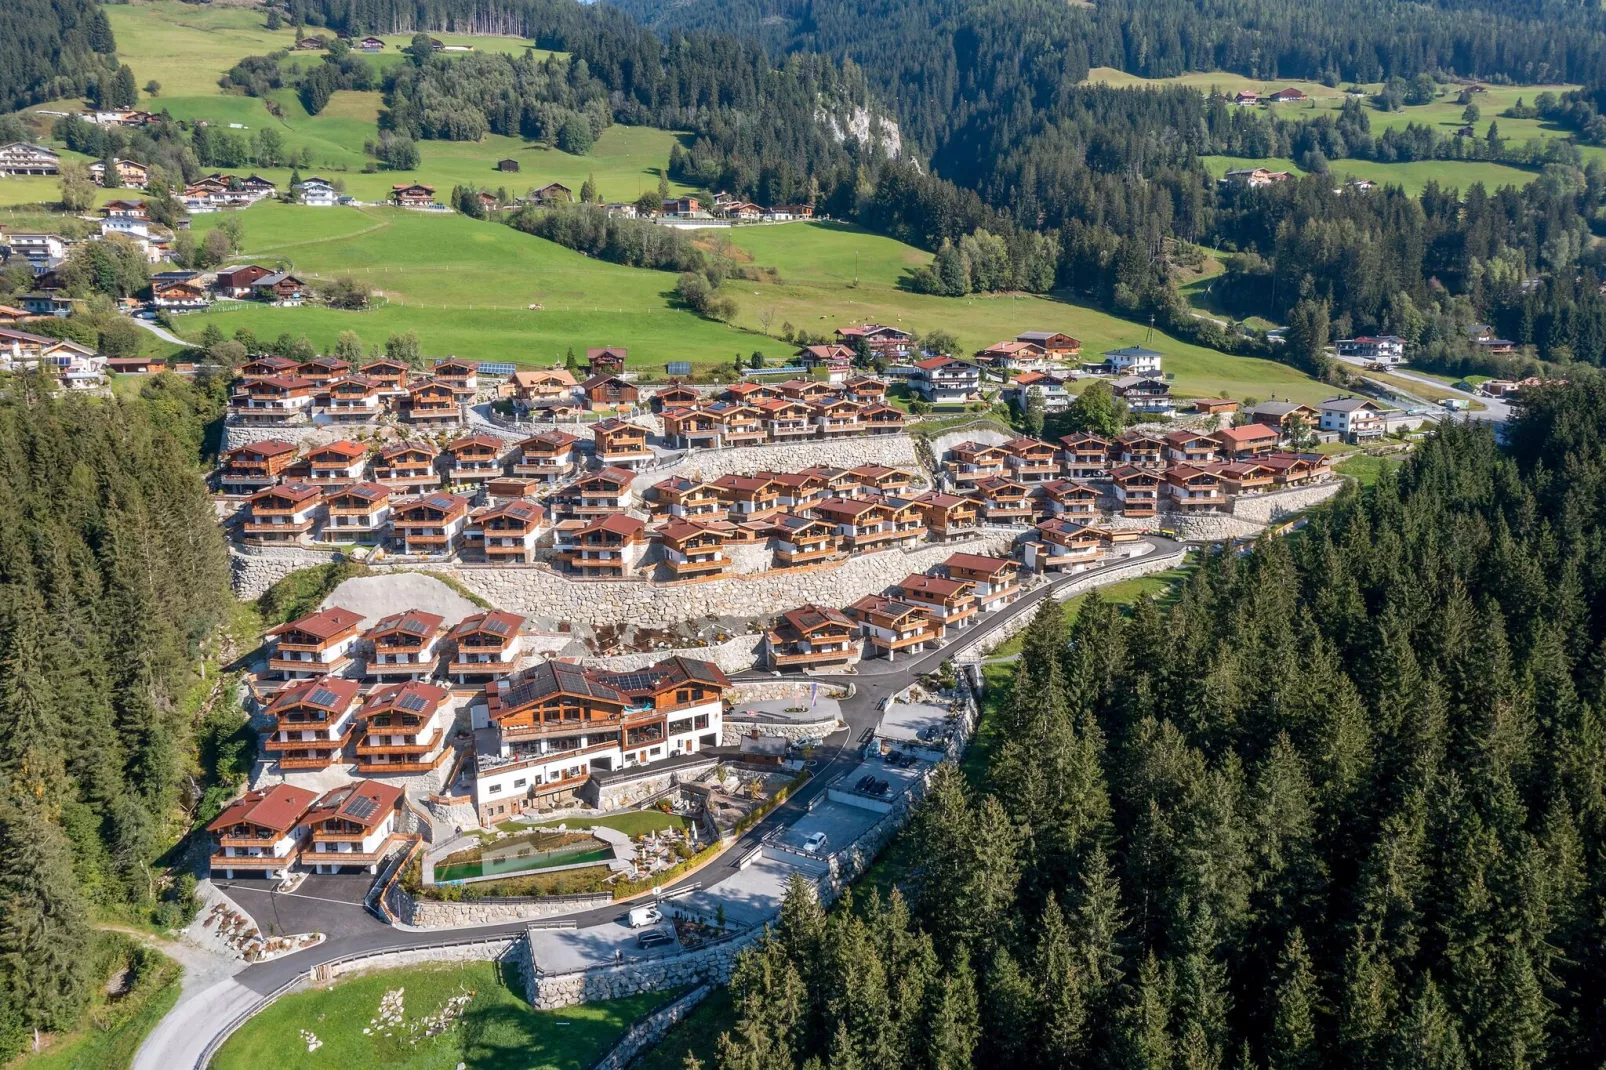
{"x": 161, "y": 332}
{"x": 1494, "y": 410}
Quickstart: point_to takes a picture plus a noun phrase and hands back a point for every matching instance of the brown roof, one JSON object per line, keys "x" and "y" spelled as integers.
{"x": 412, "y": 621}
{"x": 344, "y": 448}
{"x": 495, "y": 621}
{"x": 390, "y": 697}
{"x": 322, "y": 624}
{"x": 268, "y": 447}
{"x": 936, "y": 585}
{"x": 978, "y": 562}
{"x": 278, "y": 807}
{"x": 332, "y": 693}
{"x": 617, "y": 523}
{"x": 1246, "y": 433}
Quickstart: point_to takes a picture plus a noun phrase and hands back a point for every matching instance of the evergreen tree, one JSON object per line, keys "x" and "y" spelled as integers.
{"x": 1292, "y": 1044}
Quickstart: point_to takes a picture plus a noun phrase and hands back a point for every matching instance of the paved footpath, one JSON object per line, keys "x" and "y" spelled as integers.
{"x": 180, "y": 1038}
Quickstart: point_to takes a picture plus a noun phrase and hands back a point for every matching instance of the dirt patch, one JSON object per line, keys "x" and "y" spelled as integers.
{"x": 394, "y": 592}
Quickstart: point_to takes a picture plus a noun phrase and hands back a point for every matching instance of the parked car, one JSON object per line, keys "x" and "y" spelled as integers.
{"x": 653, "y": 938}
{"x": 640, "y": 917}
{"x": 865, "y": 783}
{"x": 880, "y": 787}
{"x": 893, "y": 756}
{"x": 813, "y": 844}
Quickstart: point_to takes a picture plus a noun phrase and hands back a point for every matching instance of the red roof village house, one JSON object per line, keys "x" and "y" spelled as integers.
{"x": 893, "y": 626}
{"x": 282, "y": 514}
{"x": 408, "y": 467}
{"x": 1005, "y": 501}
{"x": 1137, "y": 490}
{"x": 415, "y": 195}
{"x": 1062, "y": 545}
{"x": 802, "y": 540}
{"x": 837, "y": 416}
{"x": 607, "y": 360}
{"x": 865, "y": 389}
{"x": 353, "y": 399}
{"x": 389, "y": 375}
{"x": 261, "y": 832}
{"x": 675, "y": 396}
{"x": 322, "y": 369}
{"x": 1031, "y": 460}
{"x": 488, "y": 646}
{"x": 950, "y": 602}
{"x": 686, "y": 496}
{"x": 255, "y": 465}
{"x": 1248, "y": 476}
{"x": 1287, "y": 96}
{"x": 1189, "y": 447}
{"x": 692, "y": 428}
{"x": 405, "y": 645}
{"x": 785, "y": 420}
{"x": 1250, "y": 440}
{"x": 598, "y": 493}
{"x": 508, "y": 532}
{"x": 474, "y": 458}
{"x": 337, "y": 464}
{"x": 273, "y": 400}
{"x": 430, "y": 526}
{"x": 1141, "y": 449}
{"x": 811, "y": 636}
{"x": 865, "y": 524}
{"x": 315, "y": 645}
{"x": 743, "y": 424}
{"x": 748, "y": 497}
{"x": 1194, "y": 489}
{"x": 948, "y": 516}
{"x": 1069, "y": 497}
{"x": 310, "y": 722}
{"x": 356, "y": 513}
{"x": 354, "y": 826}
{"x": 609, "y": 547}
{"x": 995, "y": 581}
{"x": 432, "y": 404}
{"x": 693, "y": 548}
{"x": 402, "y": 728}
{"x": 797, "y": 490}
{"x": 806, "y": 390}
{"x": 265, "y": 366}
{"x": 1012, "y": 355}
{"x": 618, "y": 444}
{"x": 463, "y": 376}
{"x": 879, "y": 419}
{"x": 888, "y": 342}
{"x": 972, "y": 461}
{"x": 881, "y": 479}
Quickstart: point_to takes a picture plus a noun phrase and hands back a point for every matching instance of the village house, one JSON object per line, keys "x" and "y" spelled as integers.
{"x": 474, "y": 458}
{"x": 432, "y": 404}
{"x": 352, "y": 399}
{"x": 390, "y": 376}
{"x": 837, "y": 416}
{"x": 285, "y": 513}
{"x": 255, "y": 465}
{"x": 337, "y": 463}
{"x": 413, "y": 195}
{"x": 371, "y": 44}
{"x": 887, "y": 342}
{"x": 1287, "y": 96}
{"x": 318, "y": 644}
{"x": 1248, "y": 440}
{"x": 1069, "y": 497}
{"x": 1245, "y": 477}
{"x": 839, "y": 482}
{"x": 180, "y": 297}
{"x": 785, "y": 420}
{"x": 865, "y": 389}
{"x": 881, "y": 479}
{"x": 1214, "y": 406}
{"x": 508, "y": 532}
{"x": 617, "y": 444}
{"x": 541, "y": 384}
{"x": 1282, "y": 415}
{"x": 1145, "y": 394}
{"x": 320, "y": 370}
{"x": 879, "y": 419}
{"x": 836, "y": 359}
{"x": 408, "y": 467}
{"x": 1246, "y": 97}
{"x": 1053, "y": 389}
{"x": 281, "y": 288}
{"x": 682, "y": 208}
{"x": 1133, "y": 361}
{"x": 1296, "y": 469}
{"x": 267, "y": 366}
{"x": 1353, "y": 419}
{"x": 1004, "y": 501}
{"x": 895, "y": 627}
{"x": 995, "y": 581}
{"x": 608, "y": 547}
{"x": 598, "y": 493}
{"x": 547, "y": 455}
{"x": 273, "y": 400}
{"x": 608, "y": 391}
{"x": 1012, "y": 355}
{"x": 1086, "y": 456}
{"x": 802, "y": 540}
{"x": 748, "y": 497}
{"x": 797, "y": 490}
{"x": 807, "y": 390}
{"x": 124, "y": 209}
{"x": 693, "y": 549}
{"x": 1188, "y": 447}
{"x": 359, "y": 513}
{"x": 310, "y": 722}
{"x": 555, "y": 724}
{"x": 607, "y": 360}
{"x": 1137, "y": 490}
{"x": 687, "y": 497}
{"x": 354, "y": 827}
{"x": 950, "y": 602}
{"x": 487, "y": 646}
{"x": 1061, "y": 545}
{"x": 811, "y": 636}
{"x": 1255, "y": 177}
{"x": 260, "y": 834}
{"x": 692, "y": 428}
{"x": 1138, "y": 448}
{"x": 429, "y": 526}
{"x": 675, "y": 396}
{"x": 463, "y": 376}
{"x": 945, "y": 381}
{"x": 866, "y": 524}
{"x": 25, "y": 158}
{"x": 1031, "y": 460}
{"x": 970, "y": 462}
{"x": 123, "y": 173}
{"x": 948, "y": 516}
{"x": 549, "y": 194}
{"x": 1194, "y": 489}
{"x": 316, "y": 193}
{"x": 512, "y": 488}
{"x": 403, "y": 728}
{"x": 405, "y": 645}
{"x": 1056, "y": 345}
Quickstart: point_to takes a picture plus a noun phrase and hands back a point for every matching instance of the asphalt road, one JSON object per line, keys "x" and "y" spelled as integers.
{"x": 1493, "y": 411}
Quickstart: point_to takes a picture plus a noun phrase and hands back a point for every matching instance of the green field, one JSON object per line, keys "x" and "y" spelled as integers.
{"x": 1459, "y": 174}
{"x": 497, "y": 1029}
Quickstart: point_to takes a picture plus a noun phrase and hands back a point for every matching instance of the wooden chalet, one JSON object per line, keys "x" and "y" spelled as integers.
{"x": 255, "y": 465}
{"x": 403, "y": 728}
{"x": 463, "y": 376}
{"x": 487, "y": 644}
{"x": 315, "y": 645}
{"x": 607, "y": 360}
{"x": 267, "y": 367}
{"x": 310, "y": 722}
{"x": 1137, "y": 490}
{"x": 1004, "y": 501}
{"x": 811, "y": 636}
{"x": 692, "y": 428}
{"x": 359, "y": 512}
{"x": 260, "y": 834}
{"x": 743, "y": 424}
{"x": 880, "y": 419}
{"x": 604, "y": 391}
{"x": 1086, "y": 456}
{"x": 1062, "y": 545}
{"x": 609, "y": 547}
{"x": 619, "y": 444}
{"x": 693, "y": 549}
{"x": 284, "y": 514}
{"x": 864, "y": 524}
{"x": 1190, "y": 447}
{"x": 674, "y": 396}
{"x": 748, "y": 497}
{"x": 835, "y": 416}
{"x": 1031, "y": 460}
{"x": 1055, "y": 344}
{"x": 322, "y": 369}
{"x": 354, "y": 827}
{"x": 797, "y": 490}
{"x": 273, "y": 400}
{"x": 995, "y": 581}
{"x": 429, "y": 526}
{"x": 507, "y": 533}
{"x": 949, "y": 516}
{"x": 802, "y": 540}
{"x": 474, "y": 458}
{"x": 353, "y": 399}
{"x": 405, "y": 645}
{"x": 785, "y": 420}
{"x": 432, "y": 404}
{"x": 894, "y": 627}
{"x": 890, "y": 343}
{"x": 687, "y": 497}
{"x": 972, "y": 461}
{"x": 390, "y": 376}
{"x": 1249, "y": 440}
{"x": 805, "y": 390}
{"x": 865, "y": 389}
{"x": 1140, "y": 449}
{"x": 337, "y": 463}
{"x": 541, "y": 384}
{"x": 413, "y": 195}
{"x": 950, "y": 602}
{"x": 881, "y": 479}
{"x": 599, "y": 493}
{"x": 547, "y": 455}
{"x": 407, "y": 467}
{"x": 1070, "y": 497}
{"x": 1194, "y": 489}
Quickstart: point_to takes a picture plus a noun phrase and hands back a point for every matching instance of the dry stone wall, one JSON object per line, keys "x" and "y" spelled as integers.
{"x": 709, "y": 966}
{"x": 433, "y": 914}
{"x": 733, "y": 655}
{"x": 1269, "y": 508}
{"x": 650, "y": 1030}
{"x": 894, "y": 451}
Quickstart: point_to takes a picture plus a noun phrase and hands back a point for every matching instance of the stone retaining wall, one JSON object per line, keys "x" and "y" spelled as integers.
{"x": 437, "y": 914}
{"x": 731, "y": 732}
{"x": 894, "y": 451}
{"x": 649, "y": 1030}
{"x": 710, "y": 966}
{"x": 255, "y": 569}
{"x": 1269, "y": 508}
{"x": 237, "y": 435}
{"x": 513, "y": 949}
{"x": 764, "y": 690}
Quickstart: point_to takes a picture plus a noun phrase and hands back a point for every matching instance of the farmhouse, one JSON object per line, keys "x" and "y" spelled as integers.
{"x": 1055, "y": 345}
{"x": 415, "y": 195}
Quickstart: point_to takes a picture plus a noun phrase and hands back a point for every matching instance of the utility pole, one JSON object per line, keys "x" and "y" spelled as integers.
{"x": 855, "y": 267}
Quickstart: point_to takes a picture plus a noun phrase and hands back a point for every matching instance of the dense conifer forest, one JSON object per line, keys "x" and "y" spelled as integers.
{"x": 1337, "y": 805}
{"x": 52, "y": 48}
{"x": 113, "y": 578}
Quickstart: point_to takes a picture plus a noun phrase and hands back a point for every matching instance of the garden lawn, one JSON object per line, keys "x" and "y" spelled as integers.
{"x": 497, "y": 1030}
{"x": 636, "y": 823}
{"x": 1365, "y": 468}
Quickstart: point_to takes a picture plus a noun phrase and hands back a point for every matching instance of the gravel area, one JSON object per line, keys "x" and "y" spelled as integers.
{"x": 378, "y": 596}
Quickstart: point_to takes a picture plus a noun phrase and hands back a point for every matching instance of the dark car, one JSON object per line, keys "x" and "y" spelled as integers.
{"x": 865, "y": 783}
{"x": 653, "y": 938}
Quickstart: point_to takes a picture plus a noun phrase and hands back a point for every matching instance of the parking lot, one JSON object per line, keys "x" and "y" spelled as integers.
{"x": 323, "y": 903}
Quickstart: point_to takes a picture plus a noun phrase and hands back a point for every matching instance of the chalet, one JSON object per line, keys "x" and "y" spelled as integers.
{"x": 1145, "y": 393}
{"x": 237, "y": 281}
{"x": 544, "y": 383}
{"x": 318, "y": 644}
{"x": 354, "y": 827}
{"x": 180, "y": 297}
{"x": 1188, "y": 447}
{"x": 121, "y": 209}
{"x": 407, "y": 467}
{"x": 316, "y": 193}
{"x": 261, "y": 833}
{"x": 1255, "y": 177}
{"x": 1247, "y": 476}
{"x": 555, "y": 723}
{"x": 512, "y": 488}
{"x": 337, "y": 463}
{"x": 609, "y": 547}
{"x": 352, "y": 399}
{"x": 745, "y": 211}
{"x": 41, "y": 251}
{"x": 1086, "y": 456}
{"x": 356, "y": 513}
{"x": 285, "y": 513}
{"x": 1133, "y": 360}
{"x": 1287, "y": 96}
{"x": 265, "y": 366}
{"x": 948, "y": 516}
{"x": 781, "y": 213}
{"x": 1282, "y": 415}
{"x": 310, "y": 722}
{"x": 273, "y": 400}
{"x": 413, "y": 195}
{"x": 1295, "y": 469}
{"x": 810, "y": 636}
{"x": 893, "y": 626}
{"x": 1012, "y": 355}
{"x": 675, "y": 396}
{"x": 1054, "y": 390}
{"x": 1194, "y": 489}
{"x": 405, "y": 645}
{"x": 1055, "y": 345}
{"x": 123, "y": 173}
{"x": 25, "y": 158}
{"x": 1137, "y": 490}
{"x": 693, "y": 549}
{"x": 607, "y": 360}
{"x": 944, "y": 380}
{"x": 806, "y": 390}
{"x": 971, "y": 461}
{"x": 255, "y": 465}
{"x": 881, "y": 419}
{"x": 836, "y": 417}
{"x": 866, "y": 524}
{"x": 693, "y": 428}
{"x": 1383, "y": 349}
{"x": 1069, "y": 497}
{"x": 547, "y": 455}
{"x": 1141, "y": 449}
{"x": 618, "y": 444}
{"x": 126, "y": 365}
{"x": 881, "y": 479}
{"x": 801, "y": 540}
{"x": 488, "y": 646}
{"x": 1246, "y": 97}
{"x": 508, "y": 532}
{"x": 605, "y": 391}
{"x": 950, "y": 602}
{"x": 281, "y": 287}
{"x": 688, "y": 497}
{"x": 371, "y": 44}
{"x": 403, "y": 728}
{"x": 1031, "y": 460}
{"x": 749, "y": 393}
{"x": 887, "y": 342}
{"x": 463, "y": 376}
{"x": 1214, "y": 406}
{"x": 785, "y": 421}
{"x": 432, "y": 404}
{"x": 797, "y": 490}
{"x": 682, "y": 208}
{"x": 839, "y": 482}
{"x": 835, "y": 359}
{"x": 599, "y": 493}
{"x": 1062, "y": 545}
{"x": 1352, "y": 418}
{"x": 995, "y": 581}
{"x": 319, "y": 370}
{"x": 474, "y": 458}
{"x": 748, "y": 497}
{"x": 1248, "y": 440}
{"x": 1004, "y": 501}
{"x": 865, "y": 389}
{"x": 431, "y": 525}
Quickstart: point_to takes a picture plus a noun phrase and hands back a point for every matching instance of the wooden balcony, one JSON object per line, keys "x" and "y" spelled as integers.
{"x": 930, "y": 634}
{"x": 782, "y": 660}
{"x": 311, "y": 857}
{"x": 376, "y": 768}
{"x": 424, "y": 746}
{"x": 241, "y": 842}
{"x": 801, "y": 556}
{"x": 481, "y": 668}
{"x": 552, "y": 729}
{"x": 221, "y": 861}
{"x": 702, "y": 566}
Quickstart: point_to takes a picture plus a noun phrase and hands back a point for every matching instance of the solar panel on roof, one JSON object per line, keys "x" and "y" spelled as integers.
{"x": 678, "y": 367}
{"x": 322, "y": 696}
{"x": 499, "y": 627}
{"x": 413, "y": 702}
{"x": 495, "y": 368}
{"x": 414, "y": 627}
{"x": 362, "y": 807}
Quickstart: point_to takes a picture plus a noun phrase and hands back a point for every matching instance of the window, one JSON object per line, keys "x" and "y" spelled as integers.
{"x": 519, "y": 783}
{"x": 494, "y": 789}
{"x": 700, "y": 721}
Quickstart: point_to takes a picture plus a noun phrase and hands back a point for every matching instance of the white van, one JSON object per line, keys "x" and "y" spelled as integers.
{"x": 640, "y": 917}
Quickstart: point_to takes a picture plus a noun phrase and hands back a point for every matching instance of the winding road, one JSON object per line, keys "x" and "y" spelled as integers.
{"x": 334, "y": 905}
